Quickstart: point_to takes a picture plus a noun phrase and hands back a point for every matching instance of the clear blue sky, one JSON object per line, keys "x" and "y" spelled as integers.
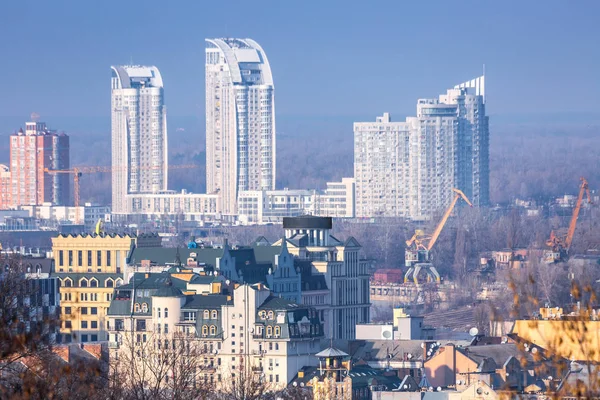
{"x": 329, "y": 58}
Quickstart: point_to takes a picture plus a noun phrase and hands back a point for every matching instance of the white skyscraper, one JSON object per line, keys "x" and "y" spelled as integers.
{"x": 408, "y": 169}
{"x": 139, "y": 134}
{"x": 240, "y": 120}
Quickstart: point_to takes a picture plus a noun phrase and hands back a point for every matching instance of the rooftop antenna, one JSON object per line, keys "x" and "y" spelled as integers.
{"x": 131, "y": 60}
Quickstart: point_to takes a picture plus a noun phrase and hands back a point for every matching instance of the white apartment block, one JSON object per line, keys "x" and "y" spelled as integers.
{"x": 193, "y": 206}
{"x": 338, "y": 200}
{"x": 271, "y": 206}
{"x": 139, "y": 134}
{"x": 249, "y": 329}
{"x": 240, "y": 120}
{"x": 91, "y": 213}
{"x": 408, "y": 169}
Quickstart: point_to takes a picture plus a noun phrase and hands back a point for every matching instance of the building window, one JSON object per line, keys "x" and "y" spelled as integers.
{"x": 166, "y": 328}
{"x": 84, "y": 310}
{"x": 93, "y": 282}
{"x": 89, "y": 258}
{"x": 68, "y": 282}
{"x": 158, "y": 310}
{"x": 83, "y": 283}
{"x": 269, "y": 330}
{"x": 144, "y": 307}
{"x": 94, "y": 310}
{"x": 84, "y": 324}
{"x": 277, "y": 331}
{"x": 206, "y": 314}
{"x": 84, "y": 338}
{"x": 80, "y": 258}
{"x": 61, "y": 260}
{"x": 68, "y": 324}
{"x": 204, "y": 330}
{"x": 67, "y": 310}
{"x": 109, "y": 283}
{"x": 213, "y": 330}
{"x": 70, "y": 258}
{"x": 98, "y": 258}
{"x": 214, "y": 314}
{"x": 94, "y": 338}
{"x": 94, "y": 324}
{"x": 166, "y": 313}
{"x": 108, "y": 258}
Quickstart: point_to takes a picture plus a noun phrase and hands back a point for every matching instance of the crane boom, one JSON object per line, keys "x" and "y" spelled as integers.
{"x": 78, "y": 171}
{"x": 573, "y": 224}
{"x": 440, "y": 226}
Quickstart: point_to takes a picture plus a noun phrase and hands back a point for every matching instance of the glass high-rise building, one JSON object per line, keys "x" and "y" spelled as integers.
{"x": 240, "y": 120}
{"x": 139, "y": 135}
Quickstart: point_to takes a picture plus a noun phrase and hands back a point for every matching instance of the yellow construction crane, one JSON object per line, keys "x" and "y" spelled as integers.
{"x": 559, "y": 246}
{"x": 420, "y": 244}
{"x": 77, "y": 172}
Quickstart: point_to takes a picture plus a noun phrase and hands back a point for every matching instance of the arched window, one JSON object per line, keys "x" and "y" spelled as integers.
{"x": 269, "y": 330}
{"x": 214, "y": 314}
{"x": 110, "y": 283}
{"x": 144, "y": 307}
{"x": 28, "y": 268}
{"x": 93, "y": 282}
{"x": 277, "y": 331}
{"x": 204, "y": 330}
{"x": 213, "y": 330}
{"x": 136, "y": 307}
{"x": 83, "y": 282}
{"x": 166, "y": 313}
{"x": 206, "y": 314}
{"x": 270, "y": 314}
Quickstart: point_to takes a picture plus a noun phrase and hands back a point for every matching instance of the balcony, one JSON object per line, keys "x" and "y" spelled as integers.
{"x": 113, "y": 345}
{"x": 258, "y": 369}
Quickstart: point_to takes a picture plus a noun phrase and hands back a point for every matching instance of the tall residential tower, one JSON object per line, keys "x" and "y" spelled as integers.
{"x": 408, "y": 169}
{"x": 139, "y": 134}
{"x": 32, "y": 153}
{"x": 240, "y": 120}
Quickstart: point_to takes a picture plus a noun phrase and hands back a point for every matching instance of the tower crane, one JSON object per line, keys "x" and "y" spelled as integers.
{"x": 559, "y": 246}
{"x": 417, "y": 255}
{"x": 77, "y": 172}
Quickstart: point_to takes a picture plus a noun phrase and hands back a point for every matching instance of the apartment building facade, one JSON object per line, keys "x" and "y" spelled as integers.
{"x": 408, "y": 169}
{"x": 32, "y": 153}
{"x": 89, "y": 267}
{"x": 139, "y": 134}
{"x": 240, "y": 120}
{"x": 248, "y": 330}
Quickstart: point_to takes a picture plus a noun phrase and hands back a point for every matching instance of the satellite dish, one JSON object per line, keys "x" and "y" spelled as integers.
{"x": 473, "y": 331}
{"x": 423, "y": 345}
{"x": 227, "y": 282}
{"x": 534, "y": 350}
{"x": 550, "y": 378}
{"x": 439, "y": 388}
{"x": 295, "y": 384}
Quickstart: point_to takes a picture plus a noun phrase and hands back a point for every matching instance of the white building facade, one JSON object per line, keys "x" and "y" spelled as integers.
{"x": 408, "y": 169}
{"x": 240, "y": 120}
{"x": 139, "y": 134}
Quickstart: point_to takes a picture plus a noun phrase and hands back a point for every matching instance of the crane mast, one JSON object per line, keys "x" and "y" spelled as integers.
{"x": 417, "y": 255}
{"x": 559, "y": 247}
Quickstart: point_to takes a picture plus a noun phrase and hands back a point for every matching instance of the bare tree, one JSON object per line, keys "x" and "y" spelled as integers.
{"x": 246, "y": 383}
{"x": 156, "y": 366}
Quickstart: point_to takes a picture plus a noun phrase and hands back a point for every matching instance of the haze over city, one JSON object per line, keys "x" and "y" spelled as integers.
{"x": 275, "y": 200}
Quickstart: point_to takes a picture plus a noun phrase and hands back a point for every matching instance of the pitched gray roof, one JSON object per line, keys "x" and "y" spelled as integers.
{"x": 331, "y": 352}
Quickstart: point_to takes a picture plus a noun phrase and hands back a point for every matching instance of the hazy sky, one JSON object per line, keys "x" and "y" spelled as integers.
{"x": 329, "y": 58}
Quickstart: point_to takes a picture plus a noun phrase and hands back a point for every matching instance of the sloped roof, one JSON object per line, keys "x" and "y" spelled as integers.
{"x": 331, "y": 352}
{"x": 201, "y": 301}
{"x": 278, "y": 303}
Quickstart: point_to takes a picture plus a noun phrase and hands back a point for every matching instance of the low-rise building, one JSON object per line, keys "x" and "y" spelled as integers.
{"x": 89, "y": 267}
{"x": 247, "y": 329}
